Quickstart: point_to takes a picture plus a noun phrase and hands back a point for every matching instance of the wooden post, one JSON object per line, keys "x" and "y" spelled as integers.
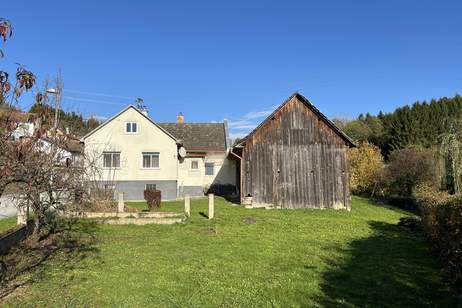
{"x": 211, "y": 206}
{"x": 121, "y": 204}
{"x": 22, "y": 216}
{"x": 187, "y": 205}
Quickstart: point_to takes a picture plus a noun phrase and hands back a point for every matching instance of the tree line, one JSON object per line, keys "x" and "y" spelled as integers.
{"x": 421, "y": 124}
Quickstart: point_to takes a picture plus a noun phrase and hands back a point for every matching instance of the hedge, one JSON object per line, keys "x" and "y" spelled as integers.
{"x": 442, "y": 221}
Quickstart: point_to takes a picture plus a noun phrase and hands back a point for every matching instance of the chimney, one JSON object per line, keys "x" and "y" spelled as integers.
{"x": 180, "y": 118}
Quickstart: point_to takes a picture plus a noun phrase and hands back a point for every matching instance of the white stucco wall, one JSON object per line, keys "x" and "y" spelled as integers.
{"x": 149, "y": 138}
{"x": 224, "y": 171}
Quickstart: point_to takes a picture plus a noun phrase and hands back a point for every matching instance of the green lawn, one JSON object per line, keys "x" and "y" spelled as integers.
{"x": 287, "y": 258}
{"x": 7, "y": 223}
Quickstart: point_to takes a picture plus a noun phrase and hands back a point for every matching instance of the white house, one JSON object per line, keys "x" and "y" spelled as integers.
{"x": 133, "y": 153}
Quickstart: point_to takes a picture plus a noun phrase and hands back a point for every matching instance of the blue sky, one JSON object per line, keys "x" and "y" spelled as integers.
{"x": 238, "y": 59}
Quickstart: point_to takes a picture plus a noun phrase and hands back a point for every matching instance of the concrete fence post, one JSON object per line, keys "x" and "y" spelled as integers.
{"x": 22, "y": 216}
{"x": 211, "y": 206}
{"x": 121, "y": 204}
{"x": 187, "y": 205}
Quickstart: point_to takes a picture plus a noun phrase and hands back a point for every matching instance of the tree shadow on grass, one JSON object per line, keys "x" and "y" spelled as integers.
{"x": 392, "y": 268}
{"x": 73, "y": 242}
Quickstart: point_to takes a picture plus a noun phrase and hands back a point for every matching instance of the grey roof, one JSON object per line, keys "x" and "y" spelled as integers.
{"x": 198, "y": 136}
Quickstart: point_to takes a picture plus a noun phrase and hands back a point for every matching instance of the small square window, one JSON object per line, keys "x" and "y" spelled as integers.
{"x": 131, "y": 127}
{"x": 194, "y": 165}
{"x": 150, "y": 186}
{"x": 209, "y": 168}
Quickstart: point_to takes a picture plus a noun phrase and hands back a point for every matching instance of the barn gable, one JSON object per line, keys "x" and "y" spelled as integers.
{"x": 296, "y": 158}
{"x": 302, "y": 104}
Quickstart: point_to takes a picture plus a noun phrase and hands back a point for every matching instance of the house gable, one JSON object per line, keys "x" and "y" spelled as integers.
{"x": 130, "y": 109}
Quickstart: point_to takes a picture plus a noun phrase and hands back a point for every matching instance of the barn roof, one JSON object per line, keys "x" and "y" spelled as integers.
{"x": 307, "y": 103}
{"x": 198, "y": 136}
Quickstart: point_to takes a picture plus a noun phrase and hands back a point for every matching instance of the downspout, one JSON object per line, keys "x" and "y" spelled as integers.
{"x": 241, "y": 175}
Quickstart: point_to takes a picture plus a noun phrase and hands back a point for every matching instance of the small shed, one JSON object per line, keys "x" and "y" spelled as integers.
{"x": 296, "y": 158}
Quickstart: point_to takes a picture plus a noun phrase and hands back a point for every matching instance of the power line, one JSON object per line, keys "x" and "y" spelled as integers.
{"x": 89, "y": 100}
{"x": 99, "y": 94}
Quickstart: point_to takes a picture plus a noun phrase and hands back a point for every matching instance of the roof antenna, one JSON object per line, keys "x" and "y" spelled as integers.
{"x": 141, "y": 106}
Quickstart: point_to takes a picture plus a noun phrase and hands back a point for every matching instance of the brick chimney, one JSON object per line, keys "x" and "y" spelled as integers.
{"x": 180, "y": 118}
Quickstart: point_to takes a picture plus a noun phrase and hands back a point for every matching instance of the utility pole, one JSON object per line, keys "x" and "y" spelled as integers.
{"x": 59, "y": 88}
{"x": 57, "y": 93}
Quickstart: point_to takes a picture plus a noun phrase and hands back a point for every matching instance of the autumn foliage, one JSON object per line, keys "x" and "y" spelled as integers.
{"x": 366, "y": 168}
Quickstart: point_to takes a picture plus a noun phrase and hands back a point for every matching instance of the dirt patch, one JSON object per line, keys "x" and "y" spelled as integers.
{"x": 250, "y": 221}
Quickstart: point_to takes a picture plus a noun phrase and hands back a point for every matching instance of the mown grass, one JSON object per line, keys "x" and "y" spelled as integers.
{"x": 286, "y": 258}
{"x": 7, "y": 224}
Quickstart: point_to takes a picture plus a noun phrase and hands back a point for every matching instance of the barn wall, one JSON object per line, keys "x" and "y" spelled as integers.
{"x": 295, "y": 160}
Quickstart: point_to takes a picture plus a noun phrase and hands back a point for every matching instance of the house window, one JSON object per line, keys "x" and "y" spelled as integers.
{"x": 111, "y": 159}
{"x": 150, "y": 160}
{"x": 150, "y": 186}
{"x": 131, "y": 127}
{"x": 194, "y": 165}
{"x": 209, "y": 168}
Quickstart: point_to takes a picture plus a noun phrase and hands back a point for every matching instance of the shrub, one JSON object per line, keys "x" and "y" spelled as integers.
{"x": 410, "y": 167}
{"x": 366, "y": 168}
{"x": 442, "y": 221}
{"x": 153, "y": 198}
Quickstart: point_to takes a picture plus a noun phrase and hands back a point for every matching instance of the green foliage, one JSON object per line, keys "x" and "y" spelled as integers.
{"x": 421, "y": 124}
{"x": 442, "y": 220}
{"x": 298, "y": 258}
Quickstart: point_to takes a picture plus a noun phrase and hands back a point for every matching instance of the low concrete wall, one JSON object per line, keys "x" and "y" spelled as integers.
{"x": 123, "y": 215}
{"x": 14, "y": 236}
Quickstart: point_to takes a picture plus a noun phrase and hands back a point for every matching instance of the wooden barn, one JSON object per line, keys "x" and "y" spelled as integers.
{"x": 296, "y": 158}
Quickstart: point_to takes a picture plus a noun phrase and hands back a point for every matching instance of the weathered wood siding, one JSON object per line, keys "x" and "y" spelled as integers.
{"x": 296, "y": 160}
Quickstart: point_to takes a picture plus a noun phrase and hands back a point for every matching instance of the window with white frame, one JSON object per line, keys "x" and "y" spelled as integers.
{"x": 111, "y": 159}
{"x": 150, "y": 186}
{"x": 194, "y": 165}
{"x": 131, "y": 127}
{"x": 209, "y": 168}
{"x": 150, "y": 160}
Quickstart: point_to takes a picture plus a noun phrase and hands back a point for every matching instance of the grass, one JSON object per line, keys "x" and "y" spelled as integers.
{"x": 7, "y": 224}
{"x": 287, "y": 258}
